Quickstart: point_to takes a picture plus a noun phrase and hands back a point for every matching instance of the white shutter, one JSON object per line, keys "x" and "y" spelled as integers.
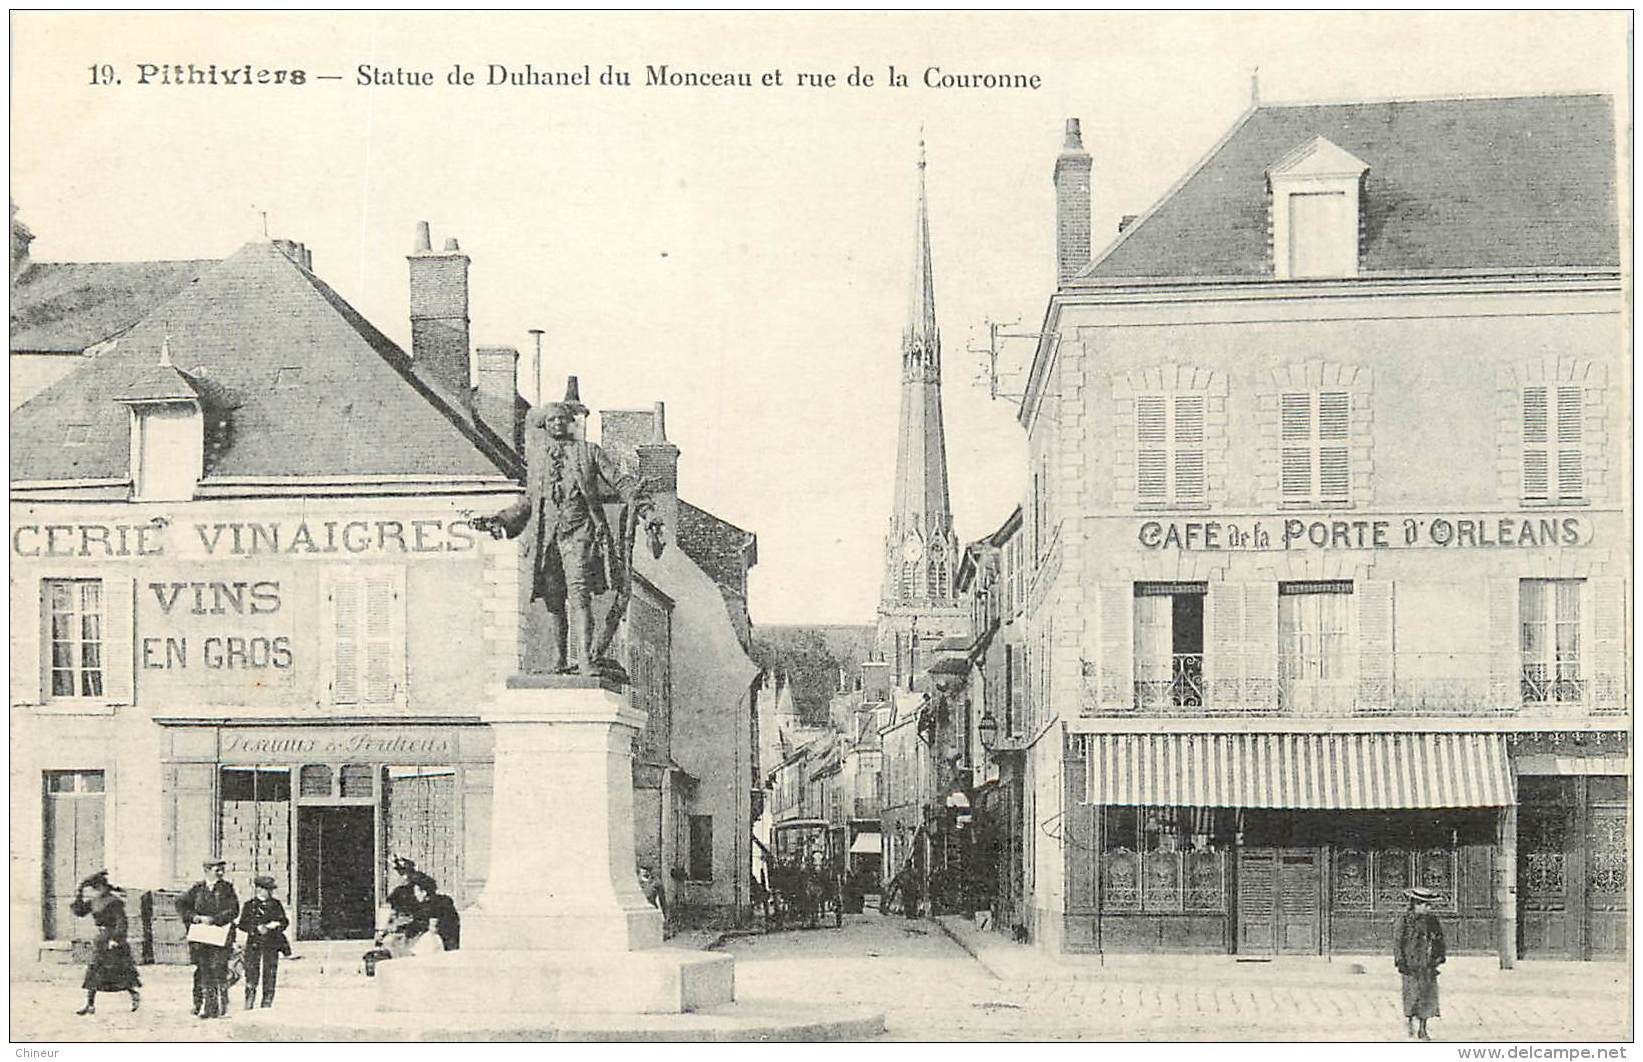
{"x": 1117, "y": 608}
{"x": 1571, "y": 458}
{"x": 1376, "y": 662}
{"x": 1295, "y": 480}
{"x": 345, "y": 641}
{"x": 1536, "y": 483}
{"x": 1505, "y": 663}
{"x": 1151, "y": 448}
{"x": 1189, "y": 447}
{"x": 1605, "y": 657}
{"x": 1261, "y": 645}
{"x": 379, "y": 641}
{"x": 1224, "y": 641}
{"x": 1334, "y": 433}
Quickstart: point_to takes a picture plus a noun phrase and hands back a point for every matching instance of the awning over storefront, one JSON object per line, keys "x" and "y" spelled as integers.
{"x": 866, "y": 844}
{"x": 1322, "y": 771}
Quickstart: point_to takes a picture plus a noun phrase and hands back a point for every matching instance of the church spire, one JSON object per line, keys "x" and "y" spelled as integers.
{"x": 922, "y": 316}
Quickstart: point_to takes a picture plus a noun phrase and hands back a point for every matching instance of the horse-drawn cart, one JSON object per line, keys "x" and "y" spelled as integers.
{"x": 806, "y": 875}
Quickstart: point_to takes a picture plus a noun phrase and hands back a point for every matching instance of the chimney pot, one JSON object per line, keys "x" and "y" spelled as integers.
{"x": 1075, "y": 138}
{"x": 424, "y": 242}
{"x": 659, "y": 421}
{"x": 1126, "y": 221}
{"x": 451, "y": 244}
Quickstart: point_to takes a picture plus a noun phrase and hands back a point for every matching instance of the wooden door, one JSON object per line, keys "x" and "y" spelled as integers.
{"x": 1606, "y": 860}
{"x": 1257, "y": 901}
{"x": 1300, "y": 901}
{"x": 73, "y": 844}
{"x": 1548, "y": 868}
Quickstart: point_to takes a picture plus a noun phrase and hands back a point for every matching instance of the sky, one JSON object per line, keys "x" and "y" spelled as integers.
{"x": 743, "y": 254}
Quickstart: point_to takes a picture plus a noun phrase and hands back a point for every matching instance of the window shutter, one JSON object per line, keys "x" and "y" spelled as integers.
{"x": 1117, "y": 603}
{"x": 1151, "y": 449}
{"x": 1260, "y": 645}
{"x": 1334, "y": 432}
{"x": 1536, "y": 484}
{"x": 1505, "y": 662}
{"x": 1571, "y": 459}
{"x": 1605, "y": 661}
{"x": 345, "y": 641}
{"x": 381, "y": 676}
{"x": 1296, "y": 433}
{"x": 1376, "y": 663}
{"x": 117, "y": 635}
{"x": 1189, "y": 447}
{"x": 1224, "y": 662}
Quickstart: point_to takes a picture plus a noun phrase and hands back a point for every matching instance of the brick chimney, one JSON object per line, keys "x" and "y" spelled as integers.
{"x": 1072, "y": 206}
{"x": 659, "y": 468}
{"x": 496, "y": 400}
{"x": 439, "y": 315}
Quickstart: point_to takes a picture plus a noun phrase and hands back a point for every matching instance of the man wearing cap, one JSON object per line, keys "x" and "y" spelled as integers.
{"x": 264, "y": 923}
{"x": 210, "y": 901}
{"x": 571, "y": 550}
{"x": 1417, "y": 951}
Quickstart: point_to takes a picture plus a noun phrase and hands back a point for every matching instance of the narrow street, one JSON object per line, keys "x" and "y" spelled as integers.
{"x": 932, "y": 989}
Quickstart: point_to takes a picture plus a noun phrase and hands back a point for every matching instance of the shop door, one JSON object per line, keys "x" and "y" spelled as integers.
{"x": 336, "y": 882}
{"x": 1606, "y": 836}
{"x": 1280, "y": 901}
{"x": 1547, "y": 868}
{"x": 73, "y": 844}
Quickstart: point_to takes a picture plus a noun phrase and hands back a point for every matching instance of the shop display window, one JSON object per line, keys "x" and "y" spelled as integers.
{"x": 1165, "y": 859}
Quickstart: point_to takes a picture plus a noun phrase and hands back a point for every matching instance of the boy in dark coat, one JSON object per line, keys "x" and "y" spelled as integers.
{"x": 212, "y": 902}
{"x": 112, "y": 968}
{"x": 1417, "y": 951}
{"x": 264, "y": 923}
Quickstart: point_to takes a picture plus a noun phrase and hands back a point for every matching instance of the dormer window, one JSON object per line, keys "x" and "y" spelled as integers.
{"x": 1315, "y": 211}
{"x": 167, "y": 435}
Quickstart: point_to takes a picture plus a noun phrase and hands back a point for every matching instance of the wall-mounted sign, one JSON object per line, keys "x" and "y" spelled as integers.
{"x": 1445, "y": 531}
{"x": 313, "y": 743}
{"x": 248, "y": 538}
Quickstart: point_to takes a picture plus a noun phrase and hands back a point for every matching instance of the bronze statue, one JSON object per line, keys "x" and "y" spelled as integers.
{"x": 574, "y": 554}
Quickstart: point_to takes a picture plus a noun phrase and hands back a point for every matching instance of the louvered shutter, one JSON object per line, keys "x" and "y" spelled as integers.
{"x": 1295, "y": 479}
{"x": 1536, "y": 472}
{"x": 381, "y": 682}
{"x": 1224, "y": 662}
{"x": 345, "y": 641}
{"x": 1505, "y": 663}
{"x": 1606, "y": 656}
{"x": 1571, "y": 457}
{"x": 1334, "y": 433}
{"x": 1376, "y": 662}
{"x": 1261, "y": 645}
{"x": 117, "y": 640}
{"x": 1189, "y": 448}
{"x": 1151, "y": 449}
{"x": 1117, "y": 606}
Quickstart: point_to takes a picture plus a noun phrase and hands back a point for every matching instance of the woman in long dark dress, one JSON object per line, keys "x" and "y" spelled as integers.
{"x": 1417, "y": 951}
{"x": 112, "y": 968}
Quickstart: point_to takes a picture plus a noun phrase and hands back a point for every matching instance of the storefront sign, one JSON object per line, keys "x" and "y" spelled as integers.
{"x": 306, "y": 743}
{"x": 1448, "y": 531}
{"x": 260, "y": 538}
{"x": 214, "y": 648}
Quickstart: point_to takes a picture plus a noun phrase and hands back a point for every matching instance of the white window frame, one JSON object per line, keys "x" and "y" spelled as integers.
{"x": 1169, "y": 433}
{"x": 1554, "y": 432}
{"x": 1315, "y": 677}
{"x": 1560, "y": 652}
{"x": 1307, "y": 448}
{"x": 77, "y": 669}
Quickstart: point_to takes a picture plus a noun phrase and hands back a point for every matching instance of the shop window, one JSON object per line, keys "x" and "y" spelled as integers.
{"x": 74, "y": 626}
{"x": 700, "y": 866}
{"x": 254, "y": 824}
{"x": 1554, "y": 459}
{"x": 356, "y": 780}
{"x": 1549, "y": 641}
{"x": 1314, "y": 647}
{"x": 314, "y": 780}
{"x": 1352, "y": 882}
{"x": 420, "y": 821}
{"x": 1164, "y": 859}
{"x": 1169, "y": 645}
{"x": 1169, "y": 449}
{"x": 1315, "y": 463}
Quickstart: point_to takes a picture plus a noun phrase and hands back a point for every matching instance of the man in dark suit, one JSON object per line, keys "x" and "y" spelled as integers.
{"x": 210, "y": 901}
{"x": 572, "y": 553}
{"x": 264, "y": 922}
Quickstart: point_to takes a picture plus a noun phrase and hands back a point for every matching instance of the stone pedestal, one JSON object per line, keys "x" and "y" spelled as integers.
{"x": 561, "y": 925}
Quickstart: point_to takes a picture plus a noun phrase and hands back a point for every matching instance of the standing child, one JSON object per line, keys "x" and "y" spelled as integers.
{"x": 264, "y": 923}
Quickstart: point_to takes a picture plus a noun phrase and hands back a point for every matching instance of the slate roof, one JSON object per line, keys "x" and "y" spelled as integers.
{"x": 293, "y": 380}
{"x": 65, "y": 307}
{"x": 158, "y": 383}
{"x": 716, "y": 545}
{"x": 1462, "y": 184}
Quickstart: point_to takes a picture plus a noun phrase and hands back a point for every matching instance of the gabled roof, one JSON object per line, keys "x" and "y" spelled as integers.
{"x": 65, "y": 307}
{"x": 1462, "y": 184}
{"x": 158, "y": 383}
{"x": 295, "y": 383}
{"x": 720, "y": 548}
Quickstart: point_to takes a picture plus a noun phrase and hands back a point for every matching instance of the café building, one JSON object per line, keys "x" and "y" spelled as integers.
{"x": 1330, "y": 540}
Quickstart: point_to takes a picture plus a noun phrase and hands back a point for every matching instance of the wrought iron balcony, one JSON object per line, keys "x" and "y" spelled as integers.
{"x": 1183, "y": 689}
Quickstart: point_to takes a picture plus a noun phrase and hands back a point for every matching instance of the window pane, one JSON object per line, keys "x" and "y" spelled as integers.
{"x": 91, "y": 684}
{"x": 91, "y": 782}
{"x": 62, "y": 599}
{"x": 62, "y": 683}
{"x": 314, "y": 780}
{"x": 356, "y": 780}
{"x": 91, "y": 596}
{"x": 62, "y": 654}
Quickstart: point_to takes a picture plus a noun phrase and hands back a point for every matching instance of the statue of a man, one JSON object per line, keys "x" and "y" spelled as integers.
{"x": 572, "y": 553}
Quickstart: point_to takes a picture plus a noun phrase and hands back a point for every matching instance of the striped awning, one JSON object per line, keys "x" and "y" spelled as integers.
{"x": 1324, "y": 771}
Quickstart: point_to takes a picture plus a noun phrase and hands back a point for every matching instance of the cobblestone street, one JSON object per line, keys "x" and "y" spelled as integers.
{"x": 930, "y": 988}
